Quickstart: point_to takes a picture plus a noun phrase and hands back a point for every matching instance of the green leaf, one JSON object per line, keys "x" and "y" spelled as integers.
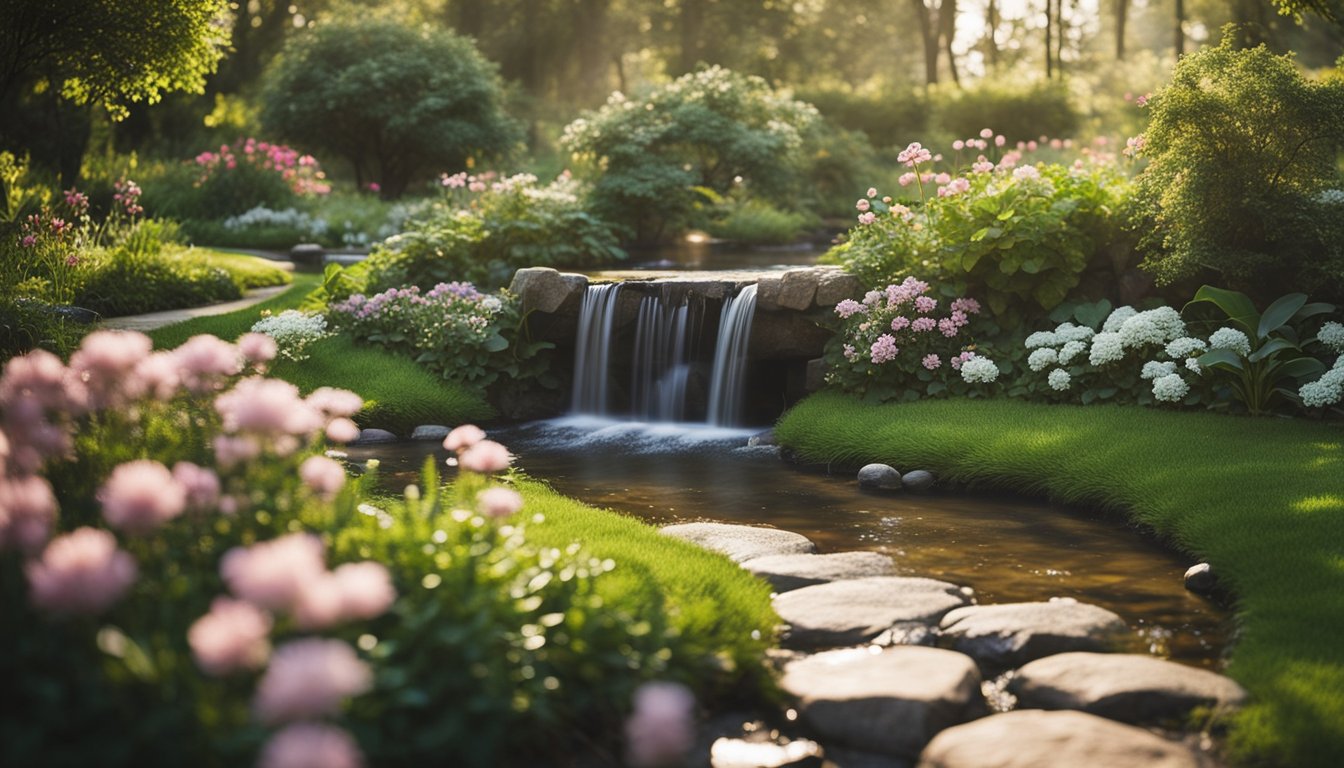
{"x": 936, "y": 387}
{"x": 1272, "y": 347}
{"x": 1237, "y": 306}
{"x": 495, "y": 343}
{"x": 1313, "y": 309}
{"x": 1223, "y": 359}
{"x": 1281, "y": 311}
{"x": 1093, "y": 315}
{"x": 1006, "y": 215}
{"x": 1302, "y": 368}
{"x": 980, "y": 234}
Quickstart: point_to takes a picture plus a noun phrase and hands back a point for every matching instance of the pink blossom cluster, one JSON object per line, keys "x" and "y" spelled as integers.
{"x": 126, "y": 194}
{"x": 469, "y": 182}
{"x": 902, "y": 316}
{"x": 961, "y": 358}
{"x": 301, "y": 172}
{"x": 915, "y": 154}
{"x": 1134, "y": 145}
{"x": 474, "y": 453}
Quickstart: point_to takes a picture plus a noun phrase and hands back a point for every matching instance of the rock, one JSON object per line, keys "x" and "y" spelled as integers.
{"x": 834, "y": 285}
{"x": 762, "y": 438}
{"x": 742, "y": 542}
{"x": 1129, "y": 687}
{"x": 1012, "y": 634}
{"x": 1200, "y": 579}
{"x": 890, "y": 701}
{"x": 739, "y": 753}
{"x": 787, "y": 572}
{"x": 881, "y": 476}
{"x": 767, "y": 292}
{"x": 815, "y": 377}
{"x": 372, "y": 436}
{"x": 797, "y": 288}
{"x": 858, "y": 610}
{"x": 918, "y": 481}
{"x": 545, "y": 290}
{"x": 430, "y": 432}
{"x": 1035, "y": 739}
{"x": 307, "y": 257}
{"x": 786, "y": 336}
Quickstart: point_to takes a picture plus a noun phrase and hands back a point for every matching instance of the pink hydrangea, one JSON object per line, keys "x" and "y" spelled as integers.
{"x": 140, "y": 496}
{"x": 366, "y": 589}
{"x": 309, "y": 678}
{"x": 272, "y": 573}
{"x": 310, "y": 745}
{"x": 499, "y": 502}
{"x": 234, "y": 635}
{"x": 158, "y": 373}
{"x": 959, "y": 359}
{"x": 850, "y": 353}
{"x": 27, "y": 512}
{"x": 200, "y": 483}
{"x": 40, "y": 378}
{"x": 884, "y": 349}
{"x": 900, "y": 323}
{"x": 661, "y": 729}
{"x": 342, "y": 430}
{"x": 463, "y": 437}
{"x": 257, "y": 347}
{"x": 931, "y": 362}
{"x": 849, "y": 307}
{"x": 948, "y": 327}
{"x": 204, "y": 362}
{"x": 335, "y": 402}
{"x": 863, "y": 205}
{"x": 233, "y": 450}
{"x": 82, "y": 573}
{"x": 923, "y": 324}
{"x": 485, "y": 456}
{"x": 969, "y": 306}
{"x": 925, "y": 304}
{"x": 323, "y": 475}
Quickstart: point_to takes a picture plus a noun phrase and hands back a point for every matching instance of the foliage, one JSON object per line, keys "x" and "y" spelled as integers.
{"x": 223, "y": 183}
{"x": 1241, "y": 149}
{"x": 293, "y": 332}
{"x": 26, "y": 325}
{"x": 127, "y": 281}
{"x": 756, "y": 222}
{"x": 887, "y": 119}
{"x": 713, "y": 129}
{"x": 1020, "y": 109}
{"x": 395, "y": 101}
{"x": 1261, "y": 505}
{"x": 485, "y": 228}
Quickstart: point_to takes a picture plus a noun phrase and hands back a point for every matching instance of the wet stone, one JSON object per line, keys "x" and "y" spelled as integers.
{"x": 1200, "y": 579}
{"x": 1012, "y": 634}
{"x": 373, "y": 436}
{"x": 880, "y": 476}
{"x": 741, "y": 542}
{"x": 918, "y": 481}
{"x": 430, "y": 432}
{"x": 788, "y": 572}
{"x": 857, "y": 611}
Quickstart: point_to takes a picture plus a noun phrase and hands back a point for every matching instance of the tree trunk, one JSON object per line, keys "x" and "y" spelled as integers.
{"x": 1121, "y": 16}
{"x": 1049, "y": 45}
{"x": 1059, "y": 37}
{"x": 590, "y": 37}
{"x": 1180, "y": 28}
{"x": 929, "y": 35}
{"x": 947, "y": 20}
{"x": 692, "y": 26}
{"x": 991, "y": 25}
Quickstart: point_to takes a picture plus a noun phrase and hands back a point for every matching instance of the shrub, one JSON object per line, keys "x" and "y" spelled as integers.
{"x": 711, "y": 129}
{"x": 1241, "y": 149}
{"x": 121, "y": 282}
{"x": 1019, "y": 109}
{"x": 397, "y": 102}
{"x": 236, "y": 179}
{"x": 293, "y": 332}
{"x": 756, "y": 222}
{"x": 887, "y": 119}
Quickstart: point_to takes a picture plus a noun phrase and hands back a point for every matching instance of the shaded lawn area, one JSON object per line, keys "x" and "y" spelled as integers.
{"x": 1262, "y": 500}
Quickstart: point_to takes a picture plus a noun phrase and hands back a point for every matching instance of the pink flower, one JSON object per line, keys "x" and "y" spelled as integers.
{"x": 28, "y": 241}
{"x": 366, "y": 589}
{"x": 81, "y": 573}
{"x": 863, "y": 204}
{"x": 324, "y": 476}
{"x": 335, "y": 402}
{"x": 867, "y": 218}
{"x": 661, "y": 730}
{"x": 959, "y": 359}
{"x": 204, "y": 361}
{"x": 310, "y": 745}
{"x": 342, "y": 430}
{"x": 105, "y": 362}
{"x": 200, "y": 483}
{"x": 849, "y": 307}
{"x": 234, "y": 635}
{"x": 139, "y": 496}
{"x": 948, "y": 327}
{"x": 923, "y": 324}
{"x": 1142, "y": 101}
{"x": 463, "y": 437}
{"x": 925, "y": 304}
{"x": 485, "y": 456}
{"x": 267, "y": 407}
{"x": 900, "y": 323}
{"x": 986, "y": 133}
{"x": 272, "y": 573}
{"x": 931, "y": 362}
{"x": 958, "y": 186}
{"x": 850, "y": 354}
{"x": 1027, "y": 172}
{"x": 499, "y": 502}
{"x": 970, "y": 306}
{"x": 907, "y": 178}
{"x": 914, "y": 154}
{"x": 884, "y": 349}
{"x": 309, "y": 678}
{"x": 872, "y": 191}
{"x": 231, "y": 451}
{"x": 27, "y": 511}
{"x": 257, "y": 347}
{"x": 1000, "y": 140}
{"x": 958, "y": 145}
{"x": 942, "y": 178}
{"x": 158, "y": 375}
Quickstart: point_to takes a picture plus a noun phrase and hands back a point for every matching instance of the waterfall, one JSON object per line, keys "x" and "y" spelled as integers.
{"x": 661, "y": 360}
{"x": 592, "y": 349}
{"x": 730, "y": 358}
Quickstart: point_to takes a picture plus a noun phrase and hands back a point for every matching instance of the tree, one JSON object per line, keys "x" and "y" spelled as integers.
{"x": 399, "y": 103}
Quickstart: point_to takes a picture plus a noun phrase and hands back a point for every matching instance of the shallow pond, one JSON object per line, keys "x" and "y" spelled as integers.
{"x": 1008, "y": 549}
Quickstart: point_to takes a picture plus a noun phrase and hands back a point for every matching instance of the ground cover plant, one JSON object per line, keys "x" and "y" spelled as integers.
{"x": 1259, "y": 500}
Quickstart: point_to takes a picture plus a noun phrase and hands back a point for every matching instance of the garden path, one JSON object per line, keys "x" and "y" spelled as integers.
{"x": 152, "y": 320}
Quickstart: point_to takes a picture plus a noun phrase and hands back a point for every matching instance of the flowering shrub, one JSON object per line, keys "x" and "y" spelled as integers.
{"x": 301, "y": 173}
{"x": 293, "y": 331}
{"x": 898, "y": 343}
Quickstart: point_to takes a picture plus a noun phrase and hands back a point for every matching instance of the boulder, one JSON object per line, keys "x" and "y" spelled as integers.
{"x": 918, "y": 481}
{"x": 1200, "y": 579}
{"x": 797, "y": 289}
{"x": 1133, "y": 688}
{"x": 786, "y": 336}
{"x": 1012, "y": 634}
{"x": 430, "y": 432}
{"x": 740, "y": 753}
{"x": 834, "y": 285}
{"x": 880, "y": 476}
{"x": 859, "y": 610}
{"x": 767, "y": 292}
{"x": 307, "y": 257}
{"x": 890, "y": 701}
{"x": 1031, "y": 738}
{"x": 545, "y": 290}
{"x": 372, "y": 436}
{"x": 788, "y": 572}
{"x": 742, "y": 542}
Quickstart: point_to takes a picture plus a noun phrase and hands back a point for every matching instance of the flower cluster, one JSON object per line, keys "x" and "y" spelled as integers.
{"x": 288, "y": 218}
{"x": 293, "y": 331}
{"x": 126, "y": 195}
{"x": 300, "y": 172}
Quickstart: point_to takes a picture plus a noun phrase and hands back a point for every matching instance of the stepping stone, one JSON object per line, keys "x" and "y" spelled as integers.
{"x": 372, "y": 436}
{"x": 786, "y": 572}
{"x": 918, "y": 481}
{"x": 1129, "y": 687}
{"x": 890, "y": 701}
{"x": 883, "y": 477}
{"x": 1012, "y": 634}
{"x": 858, "y": 610}
{"x": 742, "y": 542}
{"x": 740, "y": 753}
{"x": 1200, "y": 579}
{"x": 430, "y": 432}
{"x": 1031, "y": 738}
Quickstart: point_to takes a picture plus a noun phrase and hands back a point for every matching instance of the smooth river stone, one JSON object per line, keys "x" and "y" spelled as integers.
{"x": 742, "y": 542}
{"x": 1030, "y": 738}
{"x": 788, "y": 572}
{"x": 881, "y": 476}
{"x": 858, "y": 610}
{"x": 1012, "y": 634}
{"x": 1129, "y": 687}
{"x": 374, "y": 436}
{"x": 891, "y": 700}
{"x": 430, "y": 432}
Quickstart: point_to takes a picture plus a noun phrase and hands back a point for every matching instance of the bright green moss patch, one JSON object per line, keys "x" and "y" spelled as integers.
{"x": 1262, "y": 500}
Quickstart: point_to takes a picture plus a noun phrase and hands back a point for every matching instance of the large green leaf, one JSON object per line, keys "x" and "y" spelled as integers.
{"x": 1093, "y": 315}
{"x": 1224, "y": 359}
{"x": 1237, "y": 306}
{"x": 1271, "y": 347}
{"x": 1313, "y": 309}
{"x": 1280, "y": 312}
{"x": 1302, "y": 367}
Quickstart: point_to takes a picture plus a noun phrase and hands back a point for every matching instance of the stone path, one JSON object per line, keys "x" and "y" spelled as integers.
{"x": 149, "y": 322}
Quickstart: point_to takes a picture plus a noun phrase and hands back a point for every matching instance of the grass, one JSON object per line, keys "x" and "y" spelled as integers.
{"x": 1262, "y": 500}
{"x": 398, "y": 393}
{"x": 248, "y": 272}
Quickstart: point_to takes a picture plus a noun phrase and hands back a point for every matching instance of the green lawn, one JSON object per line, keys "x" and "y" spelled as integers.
{"x": 1260, "y": 499}
{"x": 246, "y": 270}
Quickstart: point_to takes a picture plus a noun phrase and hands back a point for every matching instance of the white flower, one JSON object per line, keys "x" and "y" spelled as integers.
{"x": 1332, "y": 336}
{"x": 979, "y": 369}
{"x": 1059, "y": 379}
{"x": 1154, "y": 369}
{"x": 1072, "y": 349}
{"x": 1192, "y": 364}
{"x": 1156, "y": 326}
{"x": 1042, "y": 358}
{"x": 1230, "y": 338}
{"x": 1118, "y": 318}
{"x": 1320, "y": 393}
{"x": 1106, "y": 348}
{"x": 1170, "y": 388}
{"x": 1069, "y": 332}
{"x": 1331, "y": 197}
{"x": 1041, "y": 339}
{"x": 1185, "y": 346}
{"x": 293, "y": 331}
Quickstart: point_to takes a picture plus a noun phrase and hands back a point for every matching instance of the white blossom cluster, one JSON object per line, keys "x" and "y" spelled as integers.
{"x": 979, "y": 369}
{"x": 1065, "y": 333}
{"x": 1170, "y": 388}
{"x": 293, "y": 331}
{"x": 1232, "y": 339}
{"x": 1155, "y": 369}
{"x": 1042, "y": 358}
{"x": 1327, "y": 390}
{"x": 291, "y": 218}
{"x": 1059, "y": 380}
{"x": 1332, "y": 336}
{"x": 1185, "y": 346}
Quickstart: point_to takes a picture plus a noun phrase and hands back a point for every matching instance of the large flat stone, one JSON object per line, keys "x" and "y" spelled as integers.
{"x": 858, "y": 610}
{"x": 788, "y": 572}
{"x": 890, "y": 701}
{"x": 1129, "y": 687}
{"x": 1035, "y": 739}
{"x": 742, "y": 542}
{"x": 797, "y": 289}
{"x": 546, "y": 290}
{"x": 1012, "y": 634}
{"x": 834, "y": 285}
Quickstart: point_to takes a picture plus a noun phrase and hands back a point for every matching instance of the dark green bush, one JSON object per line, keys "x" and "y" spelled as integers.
{"x": 124, "y": 283}
{"x": 888, "y": 119}
{"x": 1021, "y": 111}
{"x": 177, "y": 191}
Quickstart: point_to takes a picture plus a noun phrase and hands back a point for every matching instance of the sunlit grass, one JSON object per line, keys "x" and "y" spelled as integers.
{"x": 1260, "y": 499}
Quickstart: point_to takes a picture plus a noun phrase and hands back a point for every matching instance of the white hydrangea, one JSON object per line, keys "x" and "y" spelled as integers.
{"x": 1155, "y": 369}
{"x": 1072, "y": 349}
{"x": 1230, "y": 338}
{"x": 1059, "y": 379}
{"x": 1118, "y": 318}
{"x": 293, "y": 331}
{"x": 979, "y": 369}
{"x": 1327, "y": 390}
{"x": 1192, "y": 364}
{"x": 1041, "y": 339}
{"x": 1170, "y": 388}
{"x": 1042, "y": 358}
{"x": 1155, "y": 326}
{"x": 1185, "y": 346}
{"x": 1331, "y": 197}
{"x": 1106, "y": 348}
{"x": 1332, "y": 336}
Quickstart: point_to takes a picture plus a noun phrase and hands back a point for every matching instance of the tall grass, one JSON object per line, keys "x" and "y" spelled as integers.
{"x": 1262, "y": 500}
